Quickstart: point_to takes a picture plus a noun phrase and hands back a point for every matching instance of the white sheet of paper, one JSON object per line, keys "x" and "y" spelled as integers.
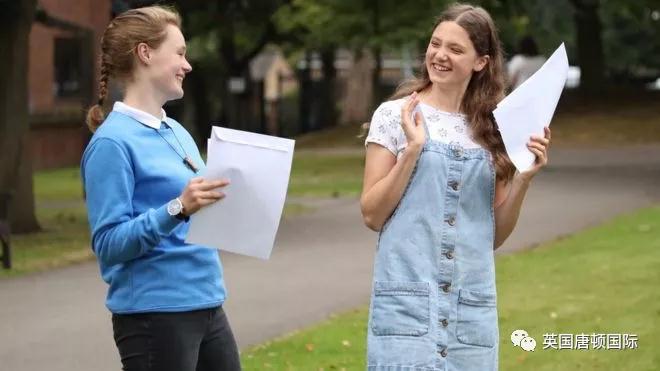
{"x": 258, "y": 168}
{"x": 530, "y": 107}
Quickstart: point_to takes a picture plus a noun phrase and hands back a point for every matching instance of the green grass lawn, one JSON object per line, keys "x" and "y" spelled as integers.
{"x": 608, "y": 126}
{"x": 61, "y": 185}
{"x": 323, "y": 175}
{"x": 64, "y": 240}
{"x": 603, "y": 280}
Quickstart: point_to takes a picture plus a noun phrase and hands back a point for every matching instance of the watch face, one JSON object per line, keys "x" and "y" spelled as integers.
{"x": 174, "y": 207}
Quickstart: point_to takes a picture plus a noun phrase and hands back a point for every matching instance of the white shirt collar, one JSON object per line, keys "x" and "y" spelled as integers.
{"x": 139, "y": 115}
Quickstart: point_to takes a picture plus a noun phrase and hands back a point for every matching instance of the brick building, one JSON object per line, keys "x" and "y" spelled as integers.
{"x": 63, "y": 75}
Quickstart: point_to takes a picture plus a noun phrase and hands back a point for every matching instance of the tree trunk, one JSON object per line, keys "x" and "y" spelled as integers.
{"x": 22, "y": 216}
{"x": 589, "y": 46}
{"x": 377, "y": 52}
{"x": 15, "y": 22}
{"x": 305, "y": 99}
{"x": 375, "y": 79}
{"x": 237, "y": 105}
{"x": 328, "y": 106}
{"x": 199, "y": 97}
{"x": 359, "y": 91}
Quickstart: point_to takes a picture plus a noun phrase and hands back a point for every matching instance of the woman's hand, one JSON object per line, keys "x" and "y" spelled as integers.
{"x": 538, "y": 146}
{"x": 414, "y": 130}
{"x": 199, "y": 193}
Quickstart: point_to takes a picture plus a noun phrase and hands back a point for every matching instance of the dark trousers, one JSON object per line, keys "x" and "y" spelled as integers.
{"x": 199, "y": 340}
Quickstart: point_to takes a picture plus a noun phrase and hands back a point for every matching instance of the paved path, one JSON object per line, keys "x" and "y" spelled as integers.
{"x": 322, "y": 264}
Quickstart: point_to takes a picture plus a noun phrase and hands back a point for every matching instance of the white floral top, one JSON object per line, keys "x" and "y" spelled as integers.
{"x": 386, "y": 130}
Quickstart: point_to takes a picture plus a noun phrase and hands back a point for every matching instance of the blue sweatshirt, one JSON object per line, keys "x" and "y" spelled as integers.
{"x": 130, "y": 173}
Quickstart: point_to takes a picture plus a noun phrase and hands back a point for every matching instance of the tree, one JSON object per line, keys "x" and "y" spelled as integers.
{"x": 589, "y": 45}
{"x": 631, "y": 40}
{"x": 15, "y": 22}
{"x": 224, "y": 36}
{"x": 368, "y": 29}
{"x": 18, "y": 204}
{"x": 611, "y": 41}
{"x": 315, "y": 26}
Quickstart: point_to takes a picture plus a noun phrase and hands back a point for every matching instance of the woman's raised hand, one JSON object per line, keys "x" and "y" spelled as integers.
{"x": 539, "y": 146}
{"x": 414, "y": 129}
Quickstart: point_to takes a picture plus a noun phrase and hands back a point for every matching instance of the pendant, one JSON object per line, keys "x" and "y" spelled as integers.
{"x": 191, "y": 165}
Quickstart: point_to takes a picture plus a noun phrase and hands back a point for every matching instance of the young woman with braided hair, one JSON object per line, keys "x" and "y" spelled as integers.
{"x": 141, "y": 173}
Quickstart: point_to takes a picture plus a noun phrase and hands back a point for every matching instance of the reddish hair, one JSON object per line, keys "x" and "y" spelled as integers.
{"x": 118, "y": 48}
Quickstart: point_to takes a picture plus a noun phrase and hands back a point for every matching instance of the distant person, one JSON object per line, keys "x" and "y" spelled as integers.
{"x": 142, "y": 177}
{"x": 525, "y": 63}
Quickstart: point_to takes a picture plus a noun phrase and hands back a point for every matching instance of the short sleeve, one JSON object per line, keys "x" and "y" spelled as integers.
{"x": 384, "y": 128}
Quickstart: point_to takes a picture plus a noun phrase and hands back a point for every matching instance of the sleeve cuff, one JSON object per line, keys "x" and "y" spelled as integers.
{"x": 380, "y": 142}
{"x": 166, "y": 222}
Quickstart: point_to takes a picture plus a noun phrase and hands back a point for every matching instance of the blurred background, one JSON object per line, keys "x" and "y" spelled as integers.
{"x": 288, "y": 67}
{"x": 315, "y": 70}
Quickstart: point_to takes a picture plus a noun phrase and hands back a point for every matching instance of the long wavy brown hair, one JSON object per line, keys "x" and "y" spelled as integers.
{"x": 118, "y": 48}
{"x": 486, "y": 87}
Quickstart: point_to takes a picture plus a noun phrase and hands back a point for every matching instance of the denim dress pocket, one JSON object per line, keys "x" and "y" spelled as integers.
{"x": 400, "y": 308}
{"x": 476, "y": 318}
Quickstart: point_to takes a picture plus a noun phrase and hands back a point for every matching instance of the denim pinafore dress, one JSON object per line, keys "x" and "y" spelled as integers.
{"x": 433, "y": 301}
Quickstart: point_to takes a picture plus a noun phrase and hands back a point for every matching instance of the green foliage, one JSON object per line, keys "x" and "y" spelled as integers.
{"x": 217, "y": 28}
{"x": 630, "y": 30}
{"x": 356, "y": 24}
{"x": 631, "y": 37}
{"x": 550, "y": 23}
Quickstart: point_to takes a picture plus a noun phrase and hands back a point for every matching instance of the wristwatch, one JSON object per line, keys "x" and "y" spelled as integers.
{"x": 175, "y": 208}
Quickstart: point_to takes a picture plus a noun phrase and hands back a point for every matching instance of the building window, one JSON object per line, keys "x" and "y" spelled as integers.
{"x": 68, "y": 69}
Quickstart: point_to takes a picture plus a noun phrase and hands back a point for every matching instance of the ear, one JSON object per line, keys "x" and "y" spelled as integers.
{"x": 481, "y": 63}
{"x": 143, "y": 53}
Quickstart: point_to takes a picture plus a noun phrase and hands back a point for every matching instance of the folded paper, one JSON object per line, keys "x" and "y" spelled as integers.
{"x": 530, "y": 107}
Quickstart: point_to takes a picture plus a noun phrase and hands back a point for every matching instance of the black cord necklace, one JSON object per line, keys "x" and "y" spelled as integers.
{"x": 186, "y": 159}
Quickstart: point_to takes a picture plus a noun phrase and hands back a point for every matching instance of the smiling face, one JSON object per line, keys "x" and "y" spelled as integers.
{"x": 451, "y": 58}
{"x": 167, "y": 65}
